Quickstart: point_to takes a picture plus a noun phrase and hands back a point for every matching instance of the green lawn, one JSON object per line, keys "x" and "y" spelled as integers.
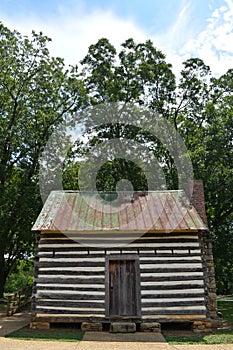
{"x": 226, "y": 307}
{"x": 201, "y": 339}
{"x": 58, "y": 334}
{"x": 221, "y": 336}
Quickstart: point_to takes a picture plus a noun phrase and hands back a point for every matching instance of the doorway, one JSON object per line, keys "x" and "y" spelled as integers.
{"x": 123, "y": 287}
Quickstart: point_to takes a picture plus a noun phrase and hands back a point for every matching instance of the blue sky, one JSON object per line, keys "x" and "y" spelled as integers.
{"x": 180, "y": 28}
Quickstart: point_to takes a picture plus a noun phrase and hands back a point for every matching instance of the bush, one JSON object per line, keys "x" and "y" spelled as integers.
{"x": 21, "y": 276}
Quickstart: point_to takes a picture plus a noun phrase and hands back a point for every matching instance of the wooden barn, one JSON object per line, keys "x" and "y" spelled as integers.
{"x": 139, "y": 259}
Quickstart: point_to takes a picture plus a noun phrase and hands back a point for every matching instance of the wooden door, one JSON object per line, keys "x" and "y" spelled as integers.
{"x": 122, "y": 288}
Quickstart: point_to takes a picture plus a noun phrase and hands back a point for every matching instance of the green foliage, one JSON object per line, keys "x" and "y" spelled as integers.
{"x": 111, "y": 173}
{"x": 20, "y": 276}
{"x": 70, "y": 176}
{"x": 200, "y": 109}
{"x": 222, "y": 248}
{"x": 37, "y": 92}
{"x": 138, "y": 74}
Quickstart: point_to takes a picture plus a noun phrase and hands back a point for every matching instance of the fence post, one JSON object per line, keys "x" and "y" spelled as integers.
{"x": 18, "y": 299}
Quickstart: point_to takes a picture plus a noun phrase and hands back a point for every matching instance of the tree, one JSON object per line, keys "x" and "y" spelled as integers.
{"x": 138, "y": 75}
{"x": 36, "y": 94}
{"x": 200, "y": 109}
{"x": 222, "y": 249}
{"x": 204, "y": 118}
{"x": 21, "y": 275}
{"x": 98, "y": 70}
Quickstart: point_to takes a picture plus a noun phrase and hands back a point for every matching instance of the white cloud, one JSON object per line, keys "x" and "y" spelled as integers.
{"x": 176, "y": 35}
{"x": 215, "y": 43}
{"x": 72, "y": 33}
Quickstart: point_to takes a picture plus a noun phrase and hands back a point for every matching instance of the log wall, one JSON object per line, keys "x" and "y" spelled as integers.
{"x": 69, "y": 281}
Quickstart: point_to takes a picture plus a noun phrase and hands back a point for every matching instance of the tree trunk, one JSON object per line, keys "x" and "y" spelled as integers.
{"x": 3, "y": 277}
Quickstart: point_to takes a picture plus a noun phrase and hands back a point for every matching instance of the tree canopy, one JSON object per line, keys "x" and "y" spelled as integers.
{"x": 38, "y": 92}
{"x": 198, "y": 105}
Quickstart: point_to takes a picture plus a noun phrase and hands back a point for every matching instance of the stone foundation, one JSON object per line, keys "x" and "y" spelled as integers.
{"x": 150, "y": 327}
{"x": 206, "y": 326}
{"x": 209, "y": 274}
{"x": 39, "y": 325}
{"x": 122, "y": 327}
{"x": 91, "y": 327}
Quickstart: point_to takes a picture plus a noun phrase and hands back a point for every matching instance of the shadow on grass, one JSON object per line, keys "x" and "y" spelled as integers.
{"x": 222, "y": 335}
{"x": 52, "y": 334}
{"x": 201, "y": 339}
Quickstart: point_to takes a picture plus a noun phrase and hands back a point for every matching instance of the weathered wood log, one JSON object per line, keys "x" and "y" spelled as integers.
{"x": 74, "y": 236}
{"x": 174, "y": 286}
{"x": 62, "y": 280}
{"x": 169, "y": 269}
{"x": 71, "y": 272}
{"x": 64, "y": 263}
{"x": 68, "y": 318}
{"x": 173, "y": 303}
{"x": 80, "y": 288}
{"x": 170, "y": 278}
{"x": 173, "y": 295}
{"x": 173, "y": 312}
{"x": 81, "y": 296}
{"x": 64, "y": 303}
{"x": 173, "y": 318}
{"x": 63, "y": 310}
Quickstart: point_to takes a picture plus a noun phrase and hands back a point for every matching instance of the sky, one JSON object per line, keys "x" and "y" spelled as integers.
{"x": 179, "y": 28}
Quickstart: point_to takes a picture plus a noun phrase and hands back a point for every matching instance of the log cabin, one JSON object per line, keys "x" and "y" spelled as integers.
{"x": 140, "y": 259}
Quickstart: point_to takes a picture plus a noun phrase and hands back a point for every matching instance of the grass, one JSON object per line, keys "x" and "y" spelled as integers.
{"x": 52, "y": 334}
{"x": 222, "y": 336}
{"x": 226, "y": 307}
{"x": 200, "y": 339}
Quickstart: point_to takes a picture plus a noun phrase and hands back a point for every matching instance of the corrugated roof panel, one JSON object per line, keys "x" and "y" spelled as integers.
{"x": 155, "y": 213}
{"x": 64, "y": 217}
{"x": 197, "y": 221}
{"x": 159, "y": 202}
{"x": 148, "y": 221}
{"x": 74, "y": 211}
{"x": 115, "y": 220}
{"x": 169, "y": 219}
{"x": 77, "y": 207}
{"x": 122, "y": 215}
{"x": 133, "y": 211}
{"x": 182, "y": 209}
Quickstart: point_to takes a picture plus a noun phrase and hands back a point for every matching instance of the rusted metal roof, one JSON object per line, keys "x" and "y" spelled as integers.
{"x": 75, "y": 211}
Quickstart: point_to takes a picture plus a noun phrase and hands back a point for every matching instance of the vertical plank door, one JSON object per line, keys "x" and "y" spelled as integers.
{"x": 122, "y": 288}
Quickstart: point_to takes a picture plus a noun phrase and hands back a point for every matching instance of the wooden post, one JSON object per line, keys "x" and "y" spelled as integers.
{"x": 17, "y": 300}
{"x": 34, "y": 290}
